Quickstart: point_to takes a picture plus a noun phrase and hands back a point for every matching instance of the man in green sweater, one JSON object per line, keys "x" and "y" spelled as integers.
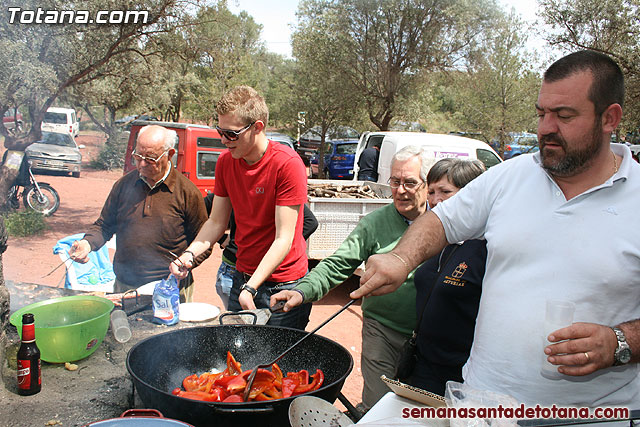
{"x": 389, "y": 319}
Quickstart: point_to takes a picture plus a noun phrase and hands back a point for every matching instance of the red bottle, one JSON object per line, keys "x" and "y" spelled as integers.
{"x": 29, "y": 381}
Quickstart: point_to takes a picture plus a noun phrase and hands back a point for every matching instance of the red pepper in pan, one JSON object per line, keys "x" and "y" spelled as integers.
{"x": 235, "y": 398}
{"x": 190, "y": 383}
{"x": 318, "y": 379}
{"x": 196, "y": 395}
{"x": 278, "y": 375}
{"x": 236, "y": 385}
{"x": 229, "y": 385}
{"x": 288, "y": 386}
{"x": 233, "y": 367}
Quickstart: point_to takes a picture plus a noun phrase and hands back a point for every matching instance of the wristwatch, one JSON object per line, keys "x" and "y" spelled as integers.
{"x": 249, "y": 289}
{"x": 622, "y": 355}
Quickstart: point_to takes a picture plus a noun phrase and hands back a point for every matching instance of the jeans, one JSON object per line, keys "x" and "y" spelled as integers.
{"x": 297, "y": 318}
{"x": 224, "y": 282}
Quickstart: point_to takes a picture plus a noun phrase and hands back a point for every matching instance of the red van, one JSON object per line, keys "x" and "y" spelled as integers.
{"x": 196, "y": 155}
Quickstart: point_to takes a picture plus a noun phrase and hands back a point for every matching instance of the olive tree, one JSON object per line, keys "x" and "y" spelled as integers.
{"x": 496, "y": 91}
{"x": 42, "y": 61}
{"x": 229, "y": 53}
{"x": 380, "y": 47}
{"x": 320, "y": 88}
{"x": 608, "y": 26}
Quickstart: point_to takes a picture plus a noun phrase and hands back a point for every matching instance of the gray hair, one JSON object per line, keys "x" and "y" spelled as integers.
{"x": 169, "y": 139}
{"x": 459, "y": 172}
{"x": 415, "y": 151}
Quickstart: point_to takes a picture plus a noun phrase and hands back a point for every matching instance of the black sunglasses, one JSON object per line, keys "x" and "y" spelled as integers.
{"x": 233, "y": 135}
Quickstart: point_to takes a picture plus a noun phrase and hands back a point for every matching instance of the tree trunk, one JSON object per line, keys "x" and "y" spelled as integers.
{"x": 4, "y": 294}
{"x": 8, "y": 175}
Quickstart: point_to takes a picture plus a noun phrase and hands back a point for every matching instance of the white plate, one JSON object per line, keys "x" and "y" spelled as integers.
{"x": 148, "y": 288}
{"x": 197, "y": 312}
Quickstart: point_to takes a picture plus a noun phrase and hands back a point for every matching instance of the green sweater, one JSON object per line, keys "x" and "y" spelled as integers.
{"x": 378, "y": 232}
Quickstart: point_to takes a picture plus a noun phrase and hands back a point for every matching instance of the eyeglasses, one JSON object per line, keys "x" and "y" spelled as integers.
{"x": 407, "y": 185}
{"x": 151, "y": 160}
{"x": 233, "y": 135}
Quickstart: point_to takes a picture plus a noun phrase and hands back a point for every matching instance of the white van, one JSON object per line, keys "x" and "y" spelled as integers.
{"x": 440, "y": 146}
{"x": 61, "y": 120}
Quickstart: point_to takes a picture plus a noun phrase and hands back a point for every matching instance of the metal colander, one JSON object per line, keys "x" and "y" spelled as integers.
{"x": 310, "y": 411}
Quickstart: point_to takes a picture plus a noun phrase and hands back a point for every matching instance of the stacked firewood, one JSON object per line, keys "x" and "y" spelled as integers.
{"x": 341, "y": 191}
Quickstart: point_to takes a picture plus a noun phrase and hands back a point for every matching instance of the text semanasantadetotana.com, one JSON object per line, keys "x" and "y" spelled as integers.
{"x": 48, "y": 16}
{"x": 518, "y": 412}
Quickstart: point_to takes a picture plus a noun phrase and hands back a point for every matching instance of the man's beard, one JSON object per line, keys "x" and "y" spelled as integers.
{"x": 574, "y": 160}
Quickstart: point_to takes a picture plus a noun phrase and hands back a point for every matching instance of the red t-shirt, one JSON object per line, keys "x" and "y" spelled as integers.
{"x": 277, "y": 179}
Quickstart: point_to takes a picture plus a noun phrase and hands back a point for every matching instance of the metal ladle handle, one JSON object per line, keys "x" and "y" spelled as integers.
{"x": 252, "y": 377}
{"x": 344, "y": 307}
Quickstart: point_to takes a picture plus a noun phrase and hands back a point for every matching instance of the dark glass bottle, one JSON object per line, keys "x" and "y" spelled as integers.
{"x": 29, "y": 381}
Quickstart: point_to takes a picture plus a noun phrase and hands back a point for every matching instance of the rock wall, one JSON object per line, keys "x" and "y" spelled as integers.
{"x": 4, "y": 295}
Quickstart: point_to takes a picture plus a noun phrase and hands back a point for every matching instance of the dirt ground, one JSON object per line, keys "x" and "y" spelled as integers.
{"x": 29, "y": 260}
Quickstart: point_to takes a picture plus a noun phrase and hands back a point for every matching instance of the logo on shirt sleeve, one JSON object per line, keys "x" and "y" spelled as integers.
{"x": 456, "y": 277}
{"x": 460, "y": 270}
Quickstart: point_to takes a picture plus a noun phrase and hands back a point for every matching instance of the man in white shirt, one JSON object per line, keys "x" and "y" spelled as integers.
{"x": 557, "y": 227}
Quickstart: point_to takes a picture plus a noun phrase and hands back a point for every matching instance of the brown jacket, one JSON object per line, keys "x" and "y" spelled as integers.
{"x": 148, "y": 224}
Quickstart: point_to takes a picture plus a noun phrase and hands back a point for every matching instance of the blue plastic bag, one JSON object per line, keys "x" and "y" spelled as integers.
{"x": 95, "y": 275}
{"x": 166, "y": 301}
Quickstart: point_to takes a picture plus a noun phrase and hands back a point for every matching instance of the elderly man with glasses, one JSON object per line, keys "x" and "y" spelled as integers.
{"x": 153, "y": 211}
{"x": 265, "y": 183}
{"x": 388, "y": 320}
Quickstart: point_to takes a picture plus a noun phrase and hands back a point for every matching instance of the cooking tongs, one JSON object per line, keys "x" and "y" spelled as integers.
{"x": 252, "y": 377}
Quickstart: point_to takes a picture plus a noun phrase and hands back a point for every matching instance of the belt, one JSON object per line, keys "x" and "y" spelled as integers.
{"x": 269, "y": 283}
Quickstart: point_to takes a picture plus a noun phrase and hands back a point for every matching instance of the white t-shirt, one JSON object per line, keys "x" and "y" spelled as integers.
{"x": 541, "y": 246}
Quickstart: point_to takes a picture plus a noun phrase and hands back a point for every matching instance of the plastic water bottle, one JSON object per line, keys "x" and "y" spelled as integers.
{"x": 120, "y": 326}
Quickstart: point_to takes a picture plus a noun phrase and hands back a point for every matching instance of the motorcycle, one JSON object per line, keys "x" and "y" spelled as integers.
{"x": 39, "y": 196}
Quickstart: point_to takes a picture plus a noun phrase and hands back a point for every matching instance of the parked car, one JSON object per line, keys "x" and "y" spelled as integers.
{"x": 338, "y": 160}
{"x": 519, "y": 143}
{"x": 12, "y": 119}
{"x": 61, "y": 120}
{"x": 311, "y": 138}
{"x": 282, "y": 139}
{"x": 55, "y": 152}
{"x": 438, "y": 147}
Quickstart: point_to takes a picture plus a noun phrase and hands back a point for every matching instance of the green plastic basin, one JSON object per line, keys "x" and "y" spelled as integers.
{"x": 67, "y": 328}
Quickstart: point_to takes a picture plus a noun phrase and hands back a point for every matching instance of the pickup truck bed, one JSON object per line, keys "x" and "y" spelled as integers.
{"x": 338, "y": 217}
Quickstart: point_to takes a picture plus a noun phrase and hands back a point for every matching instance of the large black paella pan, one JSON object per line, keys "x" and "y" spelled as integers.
{"x": 159, "y": 363}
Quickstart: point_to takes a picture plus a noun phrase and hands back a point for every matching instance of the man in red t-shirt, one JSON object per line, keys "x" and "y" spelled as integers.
{"x": 265, "y": 184}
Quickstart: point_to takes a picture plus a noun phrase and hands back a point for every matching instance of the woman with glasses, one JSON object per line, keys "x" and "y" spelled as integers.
{"x": 387, "y": 320}
{"x": 448, "y": 290}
